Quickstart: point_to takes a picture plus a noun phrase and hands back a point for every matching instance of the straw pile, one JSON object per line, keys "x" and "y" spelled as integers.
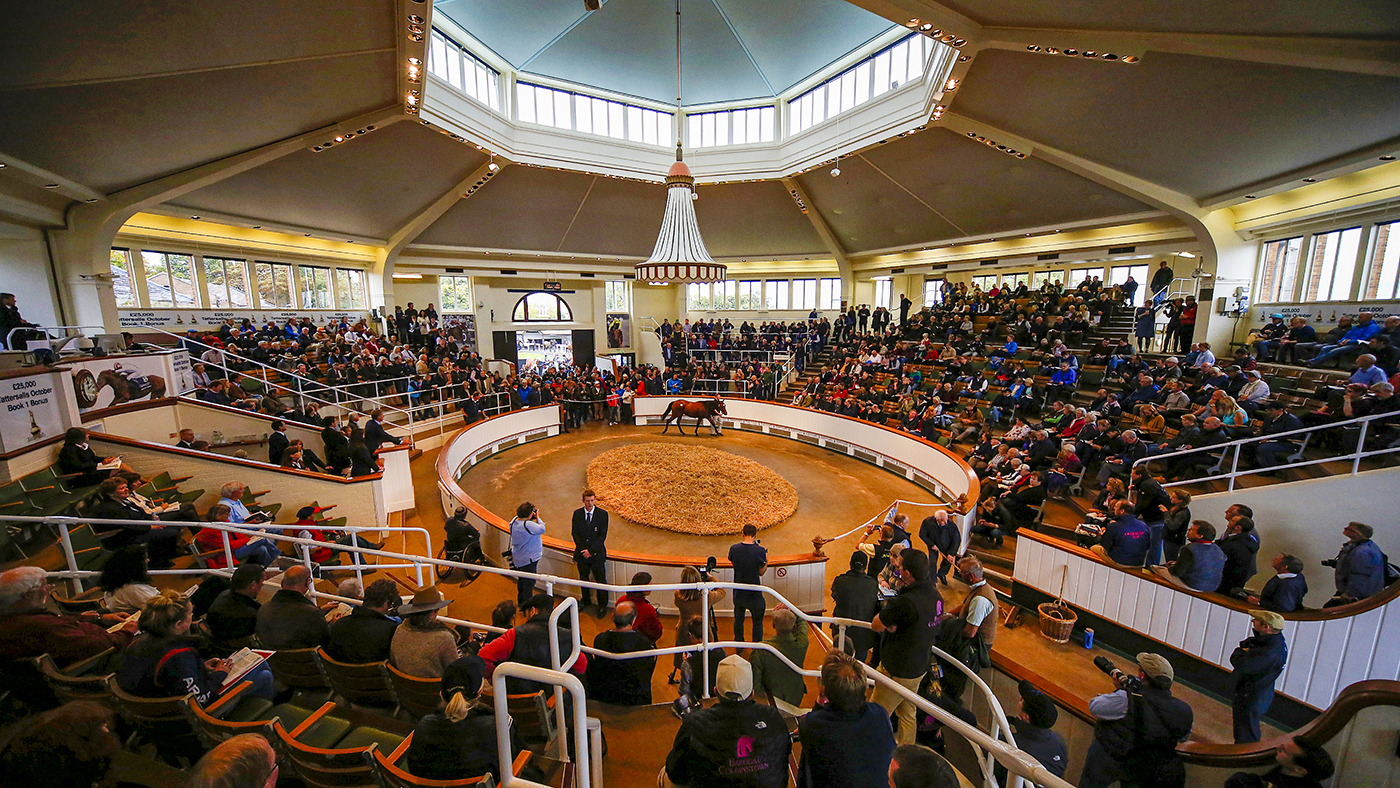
{"x": 690, "y": 489}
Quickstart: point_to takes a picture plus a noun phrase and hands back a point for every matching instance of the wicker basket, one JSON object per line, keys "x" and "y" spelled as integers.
{"x": 1057, "y": 621}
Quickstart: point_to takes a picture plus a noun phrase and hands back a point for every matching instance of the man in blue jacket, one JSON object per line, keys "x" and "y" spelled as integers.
{"x": 1285, "y": 591}
{"x": 1352, "y": 342}
{"x": 1257, "y": 662}
{"x": 1126, "y": 539}
{"x": 1360, "y": 566}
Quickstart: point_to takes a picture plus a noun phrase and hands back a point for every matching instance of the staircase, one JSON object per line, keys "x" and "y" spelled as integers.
{"x": 812, "y": 370}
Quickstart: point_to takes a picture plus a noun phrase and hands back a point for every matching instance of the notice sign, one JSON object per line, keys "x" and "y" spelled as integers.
{"x": 30, "y": 410}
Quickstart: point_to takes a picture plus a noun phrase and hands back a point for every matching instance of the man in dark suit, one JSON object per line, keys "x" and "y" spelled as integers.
{"x": 186, "y": 439}
{"x": 942, "y": 537}
{"x": 365, "y": 634}
{"x": 375, "y": 436}
{"x": 590, "y": 530}
{"x": 113, "y": 502}
{"x": 337, "y": 447}
{"x": 277, "y": 442}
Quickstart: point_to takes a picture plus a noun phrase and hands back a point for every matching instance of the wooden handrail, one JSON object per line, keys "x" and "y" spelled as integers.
{"x": 1389, "y": 594}
{"x": 313, "y": 719}
{"x": 205, "y": 455}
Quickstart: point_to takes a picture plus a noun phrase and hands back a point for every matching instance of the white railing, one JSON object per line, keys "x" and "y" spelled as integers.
{"x": 1363, "y": 425}
{"x": 1017, "y": 762}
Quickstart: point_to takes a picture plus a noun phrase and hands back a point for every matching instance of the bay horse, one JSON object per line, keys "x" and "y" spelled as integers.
{"x": 700, "y": 411}
{"x": 126, "y": 388}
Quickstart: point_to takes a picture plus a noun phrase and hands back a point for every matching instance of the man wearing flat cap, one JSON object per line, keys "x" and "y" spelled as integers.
{"x": 1257, "y": 662}
{"x": 1137, "y": 728}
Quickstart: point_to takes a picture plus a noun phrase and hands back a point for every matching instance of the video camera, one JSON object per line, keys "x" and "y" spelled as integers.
{"x": 1129, "y": 682}
{"x": 705, "y": 574}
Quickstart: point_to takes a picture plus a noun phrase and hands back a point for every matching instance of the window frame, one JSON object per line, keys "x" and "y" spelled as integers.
{"x": 829, "y": 293}
{"x": 617, "y": 296}
{"x": 310, "y": 288}
{"x": 1382, "y": 260}
{"x": 779, "y": 288}
{"x": 936, "y": 292}
{"x": 1313, "y": 277}
{"x": 884, "y": 292}
{"x": 128, "y": 273}
{"x": 1268, "y": 275}
{"x": 225, "y": 288}
{"x": 147, "y": 274}
{"x": 804, "y": 294}
{"x": 750, "y": 295}
{"x": 565, "y": 313}
{"x": 352, "y": 276}
{"x": 272, "y": 271}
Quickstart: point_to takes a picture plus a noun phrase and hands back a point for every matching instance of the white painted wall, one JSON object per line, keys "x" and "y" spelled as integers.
{"x": 1305, "y": 518}
{"x": 25, "y": 271}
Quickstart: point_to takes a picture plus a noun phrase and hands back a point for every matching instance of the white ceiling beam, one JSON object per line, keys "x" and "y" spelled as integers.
{"x": 27, "y": 212}
{"x": 42, "y": 178}
{"x": 903, "y": 12}
{"x": 829, "y": 240}
{"x": 386, "y": 257}
{"x": 1345, "y": 164}
{"x": 1360, "y": 56}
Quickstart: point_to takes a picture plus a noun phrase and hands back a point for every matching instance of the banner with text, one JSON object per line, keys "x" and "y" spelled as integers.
{"x": 31, "y": 410}
{"x": 208, "y": 318}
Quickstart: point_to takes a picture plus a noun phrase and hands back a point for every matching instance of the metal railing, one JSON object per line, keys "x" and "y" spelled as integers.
{"x": 1018, "y": 763}
{"x": 1364, "y": 426}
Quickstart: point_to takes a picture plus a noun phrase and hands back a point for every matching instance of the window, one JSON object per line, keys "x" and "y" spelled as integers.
{"x": 1014, "y": 281}
{"x": 1119, "y": 274}
{"x": 455, "y": 293}
{"x": 731, "y": 127}
{"x": 275, "y": 289}
{"x": 829, "y": 295}
{"x": 1279, "y": 269}
{"x": 725, "y": 295}
{"x": 121, "y": 278}
{"x": 350, "y": 288}
{"x": 564, "y": 109}
{"x": 1080, "y": 274}
{"x": 315, "y": 287}
{"x": 985, "y": 281}
{"x": 883, "y": 287}
{"x": 170, "y": 279}
{"x": 1385, "y": 263}
{"x": 775, "y": 294}
{"x": 933, "y": 292}
{"x": 878, "y": 74}
{"x": 1333, "y": 264}
{"x": 751, "y": 294}
{"x": 542, "y": 308}
{"x": 451, "y": 62}
{"x": 228, "y": 283}
{"x": 804, "y": 294}
{"x": 698, "y": 296}
{"x": 1039, "y": 278}
{"x": 616, "y": 295}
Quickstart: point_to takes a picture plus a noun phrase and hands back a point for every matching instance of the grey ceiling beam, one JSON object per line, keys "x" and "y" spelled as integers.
{"x": 1359, "y": 56}
{"x": 824, "y": 231}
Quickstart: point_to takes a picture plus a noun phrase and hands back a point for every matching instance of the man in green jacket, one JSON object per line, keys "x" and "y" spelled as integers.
{"x": 770, "y": 674}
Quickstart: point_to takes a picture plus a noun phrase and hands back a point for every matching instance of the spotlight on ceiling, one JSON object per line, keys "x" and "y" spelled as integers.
{"x": 592, "y": 5}
{"x": 835, "y": 172}
{"x": 1387, "y": 158}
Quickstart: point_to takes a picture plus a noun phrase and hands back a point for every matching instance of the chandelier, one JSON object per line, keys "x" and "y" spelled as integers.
{"x": 680, "y": 254}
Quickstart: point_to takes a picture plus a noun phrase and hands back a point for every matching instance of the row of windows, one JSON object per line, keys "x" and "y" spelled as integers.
{"x": 730, "y": 127}
{"x": 774, "y": 294}
{"x": 885, "y": 71}
{"x": 453, "y": 63}
{"x": 899, "y": 64}
{"x": 1329, "y": 266}
{"x": 564, "y": 109}
{"x": 149, "y": 279}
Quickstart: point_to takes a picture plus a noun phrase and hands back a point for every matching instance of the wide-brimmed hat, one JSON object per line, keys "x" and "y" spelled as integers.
{"x": 424, "y": 599}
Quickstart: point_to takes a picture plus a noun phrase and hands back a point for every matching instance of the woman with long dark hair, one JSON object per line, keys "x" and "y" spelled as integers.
{"x": 125, "y": 581}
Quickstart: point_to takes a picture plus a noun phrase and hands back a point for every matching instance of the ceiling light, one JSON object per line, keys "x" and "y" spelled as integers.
{"x": 493, "y": 166}
{"x": 1109, "y": 56}
{"x": 1387, "y": 158}
{"x": 1052, "y": 50}
{"x": 926, "y": 26}
{"x": 90, "y": 199}
{"x": 680, "y": 254}
{"x": 1071, "y": 51}
{"x": 257, "y": 227}
{"x": 1250, "y": 196}
{"x": 1130, "y": 58}
{"x": 50, "y": 186}
{"x": 413, "y": 61}
{"x": 3, "y": 165}
{"x": 1310, "y": 180}
{"x": 952, "y": 84}
{"x": 1032, "y": 47}
{"x": 415, "y": 19}
{"x": 339, "y": 138}
{"x": 308, "y": 235}
{"x": 960, "y": 42}
{"x": 1185, "y": 254}
{"x": 835, "y": 172}
{"x": 194, "y": 217}
{"x": 408, "y": 276}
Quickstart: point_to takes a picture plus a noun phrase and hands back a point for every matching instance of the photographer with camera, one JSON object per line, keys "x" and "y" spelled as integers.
{"x": 526, "y": 548}
{"x": 1137, "y": 728}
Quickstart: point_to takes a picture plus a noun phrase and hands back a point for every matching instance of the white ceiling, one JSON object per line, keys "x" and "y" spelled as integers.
{"x": 113, "y": 94}
{"x": 731, "y": 50}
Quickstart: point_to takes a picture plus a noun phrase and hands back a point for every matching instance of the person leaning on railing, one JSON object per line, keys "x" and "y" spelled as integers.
{"x": 1360, "y": 566}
